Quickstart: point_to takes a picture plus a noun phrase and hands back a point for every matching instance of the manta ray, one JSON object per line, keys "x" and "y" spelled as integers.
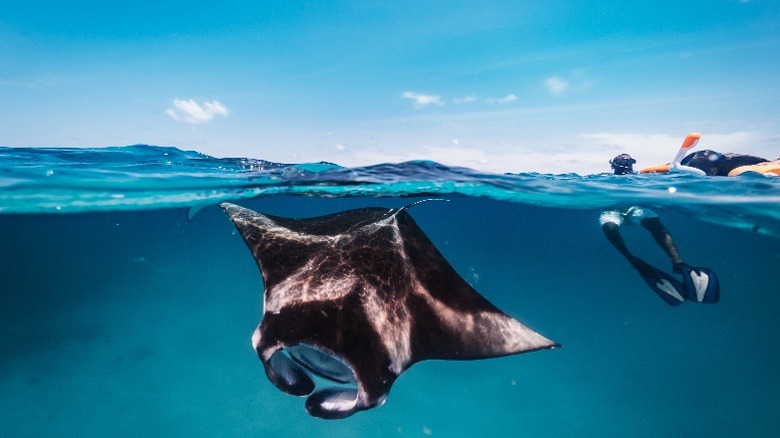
{"x": 353, "y": 299}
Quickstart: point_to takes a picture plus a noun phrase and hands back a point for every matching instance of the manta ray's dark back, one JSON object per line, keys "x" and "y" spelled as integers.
{"x": 358, "y": 297}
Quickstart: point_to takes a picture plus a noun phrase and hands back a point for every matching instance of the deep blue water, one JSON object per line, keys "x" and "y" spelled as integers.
{"x": 119, "y": 317}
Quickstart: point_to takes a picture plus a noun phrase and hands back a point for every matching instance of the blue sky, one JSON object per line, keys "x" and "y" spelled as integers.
{"x": 535, "y": 85}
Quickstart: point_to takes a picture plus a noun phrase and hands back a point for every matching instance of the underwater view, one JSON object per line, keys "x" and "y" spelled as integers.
{"x": 390, "y": 219}
{"x": 128, "y": 299}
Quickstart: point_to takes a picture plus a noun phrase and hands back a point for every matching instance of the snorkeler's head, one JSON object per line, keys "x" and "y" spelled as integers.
{"x": 622, "y": 164}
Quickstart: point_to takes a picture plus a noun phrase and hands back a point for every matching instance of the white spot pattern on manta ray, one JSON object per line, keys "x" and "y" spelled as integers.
{"x": 301, "y": 287}
{"x": 396, "y": 327}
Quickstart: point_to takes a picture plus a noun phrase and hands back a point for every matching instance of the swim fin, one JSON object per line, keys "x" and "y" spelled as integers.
{"x": 701, "y": 284}
{"x": 663, "y": 284}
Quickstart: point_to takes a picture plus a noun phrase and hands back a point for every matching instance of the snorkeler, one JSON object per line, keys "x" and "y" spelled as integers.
{"x": 711, "y": 163}
{"x": 729, "y": 164}
{"x": 699, "y": 284}
{"x": 623, "y": 164}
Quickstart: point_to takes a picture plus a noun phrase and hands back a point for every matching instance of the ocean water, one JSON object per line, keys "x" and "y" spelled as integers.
{"x": 127, "y": 300}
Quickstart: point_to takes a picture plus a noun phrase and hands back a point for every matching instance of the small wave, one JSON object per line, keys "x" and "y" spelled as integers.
{"x": 57, "y": 180}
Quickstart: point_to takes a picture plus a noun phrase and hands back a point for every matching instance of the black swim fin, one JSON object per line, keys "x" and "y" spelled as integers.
{"x": 701, "y": 284}
{"x": 663, "y": 284}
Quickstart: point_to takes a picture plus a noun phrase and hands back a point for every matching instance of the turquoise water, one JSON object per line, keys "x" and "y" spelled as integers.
{"x": 121, "y": 317}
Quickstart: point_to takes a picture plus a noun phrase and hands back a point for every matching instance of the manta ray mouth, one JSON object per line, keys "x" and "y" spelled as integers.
{"x": 325, "y": 365}
{"x": 293, "y": 368}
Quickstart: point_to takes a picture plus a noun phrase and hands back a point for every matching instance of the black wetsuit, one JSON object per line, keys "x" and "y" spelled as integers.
{"x": 717, "y": 164}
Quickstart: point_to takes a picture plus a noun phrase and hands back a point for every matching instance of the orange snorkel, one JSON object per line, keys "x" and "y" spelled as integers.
{"x": 689, "y": 143}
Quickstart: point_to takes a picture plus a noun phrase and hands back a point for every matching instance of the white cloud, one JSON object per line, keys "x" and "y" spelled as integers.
{"x": 574, "y": 82}
{"x": 189, "y": 111}
{"x": 509, "y": 98}
{"x": 556, "y": 85}
{"x": 489, "y": 159}
{"x": 635, "y": 141}
{"x": 423, "y": 100}
{"x": 467, "y": 99}
{"x": 660, "y": 148}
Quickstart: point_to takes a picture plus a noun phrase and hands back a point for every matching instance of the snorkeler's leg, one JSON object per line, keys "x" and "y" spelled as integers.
{"x": 668, "y": 288}
{"x": 664, "y": 240}
{"x": 611, "y": 231}
{"x": 699, "y": 284}
{"x": 611, "y": 221}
